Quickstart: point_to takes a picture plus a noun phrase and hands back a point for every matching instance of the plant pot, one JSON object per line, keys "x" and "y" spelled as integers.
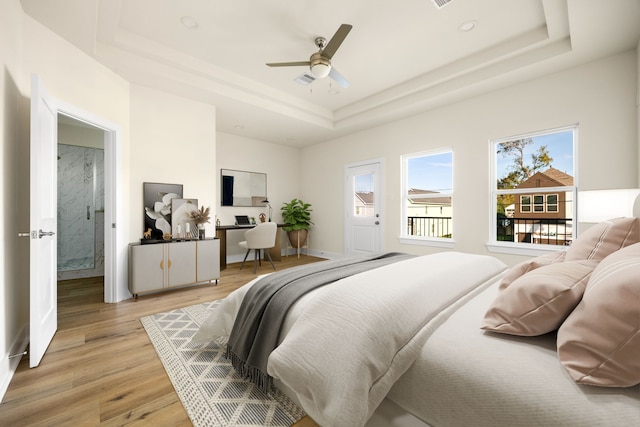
{"x": 200, "y": 232}
{"x": 297, "y": 238}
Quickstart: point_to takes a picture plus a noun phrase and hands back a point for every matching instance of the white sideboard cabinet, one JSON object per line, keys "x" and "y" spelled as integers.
{"x": 162, "y": 266}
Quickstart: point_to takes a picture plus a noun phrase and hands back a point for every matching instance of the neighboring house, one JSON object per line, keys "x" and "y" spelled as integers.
{"x": 428, "y": 214}
{"x": 544, "y": 204}
{"x": 364, "y": 204}
{"x": 541, "y": 216}
{"x": 428, "y": 206}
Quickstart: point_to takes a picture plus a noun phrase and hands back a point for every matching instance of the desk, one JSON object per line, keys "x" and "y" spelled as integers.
{"x": 221, "y": 233}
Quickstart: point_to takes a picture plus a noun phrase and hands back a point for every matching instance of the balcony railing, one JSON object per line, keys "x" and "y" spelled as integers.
{"x": 541, "y": 231}
{"x": 429, "y": 226}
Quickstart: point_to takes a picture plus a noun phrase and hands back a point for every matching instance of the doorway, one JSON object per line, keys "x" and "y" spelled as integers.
{"x": 364, "y": 211}
{"x": 115, "y": 228}
{"x": 80, "y": 243}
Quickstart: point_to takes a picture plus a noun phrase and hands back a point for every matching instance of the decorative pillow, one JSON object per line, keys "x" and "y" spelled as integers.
{"x": 599, "y": 343}
{"x": 539, "y": 301}
{"x": 604, "y": 239}
{"x": 524, "y": 267}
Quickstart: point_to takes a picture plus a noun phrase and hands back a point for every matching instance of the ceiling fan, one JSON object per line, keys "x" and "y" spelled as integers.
{"x": 320, "y": 62}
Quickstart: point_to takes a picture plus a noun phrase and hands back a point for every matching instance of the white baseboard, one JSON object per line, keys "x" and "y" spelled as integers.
{"x": 8, "y": 365}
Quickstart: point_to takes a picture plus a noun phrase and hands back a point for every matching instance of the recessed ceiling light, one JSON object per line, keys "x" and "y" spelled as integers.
{"x": 467, "y": 26}
{"x": 189, "y": 22}
{"x": 239, "y": 127}
{"x": 333, "y": 91}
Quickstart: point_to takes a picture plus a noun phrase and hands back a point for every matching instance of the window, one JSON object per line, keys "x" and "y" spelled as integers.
{"x": 534, "y": 190}
{"x": 538, "y": 203}
{"x": 552, "y": 203}
{"x": 427, "y": 188}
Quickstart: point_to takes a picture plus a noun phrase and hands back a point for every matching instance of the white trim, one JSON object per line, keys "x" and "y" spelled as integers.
{"x": 523, "y": 248}
{"x": 428, "y": 241}
{"x": 116, "y": 227}
{"x": 520, "y": 249}
{"x": 404, "y": 199}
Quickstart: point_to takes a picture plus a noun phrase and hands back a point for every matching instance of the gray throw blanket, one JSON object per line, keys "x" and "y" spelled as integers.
{"x": 257, "y": 326}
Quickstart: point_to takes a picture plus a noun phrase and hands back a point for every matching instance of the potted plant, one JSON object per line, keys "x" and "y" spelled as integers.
{"x": 297, "y": 218}
{"x": 200, "y": 217}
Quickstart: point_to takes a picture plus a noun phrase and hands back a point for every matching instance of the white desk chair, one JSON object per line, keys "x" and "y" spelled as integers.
{"x": 263, "y": 236}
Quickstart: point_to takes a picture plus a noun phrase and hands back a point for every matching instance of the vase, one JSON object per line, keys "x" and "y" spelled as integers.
{"x": 201, "y": 233}
{"x": 297, "y": 238}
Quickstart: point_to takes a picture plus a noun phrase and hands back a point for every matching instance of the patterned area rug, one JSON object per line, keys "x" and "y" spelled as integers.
{"x": 208, "y": 386}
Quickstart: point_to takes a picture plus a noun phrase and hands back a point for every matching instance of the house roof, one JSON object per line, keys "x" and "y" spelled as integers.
{"x": 550, "y": 178}
{"x": 366, "y": 198}
{"x": 216, "y": 53}
{"x": 417, "y": 200}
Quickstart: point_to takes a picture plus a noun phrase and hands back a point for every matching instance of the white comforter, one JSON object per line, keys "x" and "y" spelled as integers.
{"x": 348, "y": 342}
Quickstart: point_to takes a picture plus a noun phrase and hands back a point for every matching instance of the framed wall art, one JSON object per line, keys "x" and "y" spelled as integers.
{"x": 157, "y": 199}
{"x": 182, "y": 225}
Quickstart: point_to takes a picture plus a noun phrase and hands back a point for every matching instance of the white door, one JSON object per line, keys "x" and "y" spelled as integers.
{"x": 43, "y": 222}
{"x": 364, "y": 213}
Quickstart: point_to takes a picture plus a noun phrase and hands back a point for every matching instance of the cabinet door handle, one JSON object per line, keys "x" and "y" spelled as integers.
{"x": 169, "y": 263}
{"x": 162, "y": 265}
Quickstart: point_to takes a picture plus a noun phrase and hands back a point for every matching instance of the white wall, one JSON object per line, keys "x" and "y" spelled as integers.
{"x": 280, "y": 163}
{"x": 173, "y": 141}
{"x": 14, "y": 268}
{"x": 600, "y": 96}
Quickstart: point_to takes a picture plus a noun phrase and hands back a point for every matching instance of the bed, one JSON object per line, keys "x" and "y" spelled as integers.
{"x": 454, "y": 339}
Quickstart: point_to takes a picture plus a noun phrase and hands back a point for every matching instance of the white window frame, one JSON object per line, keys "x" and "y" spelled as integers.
{"x": 516, "y": 248}
{"x": 529, "y": 205}
{"x": 441, "y": 242}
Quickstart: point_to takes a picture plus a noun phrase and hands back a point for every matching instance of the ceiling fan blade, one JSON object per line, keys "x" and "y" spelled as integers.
{"x": 335, "y": 42}
{"x": 289, "y": 64}
{"x": 335, "y": 75}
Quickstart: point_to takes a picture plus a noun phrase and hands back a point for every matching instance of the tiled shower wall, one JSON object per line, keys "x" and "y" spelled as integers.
{"x": 80, "y": 212}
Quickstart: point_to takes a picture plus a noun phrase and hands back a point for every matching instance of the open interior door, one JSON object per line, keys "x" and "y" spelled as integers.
{"x": 43, "y": 321}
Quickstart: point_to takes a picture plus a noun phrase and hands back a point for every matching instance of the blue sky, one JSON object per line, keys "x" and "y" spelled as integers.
{"x": 433, "y": 172}
{"x": 559, "y": 146}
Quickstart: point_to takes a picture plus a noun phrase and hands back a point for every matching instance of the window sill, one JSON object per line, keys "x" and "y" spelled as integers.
{"x": 520, "y": 249}
{"x": 437, "y": 243}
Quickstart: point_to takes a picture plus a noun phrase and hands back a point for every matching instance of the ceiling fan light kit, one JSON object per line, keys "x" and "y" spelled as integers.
{"x": 320, "y": 66}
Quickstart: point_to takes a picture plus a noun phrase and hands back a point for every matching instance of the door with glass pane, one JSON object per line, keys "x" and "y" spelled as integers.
{"x": 363, "y": 215}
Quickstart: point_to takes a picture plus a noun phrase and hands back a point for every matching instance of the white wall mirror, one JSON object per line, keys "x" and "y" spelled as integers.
{"x": 242, "y": 188}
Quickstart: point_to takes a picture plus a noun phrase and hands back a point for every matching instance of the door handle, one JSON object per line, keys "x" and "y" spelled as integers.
{"x": 42, "y": 234}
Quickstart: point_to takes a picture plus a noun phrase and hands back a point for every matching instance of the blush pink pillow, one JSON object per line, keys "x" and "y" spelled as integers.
{"x": 539, "y": 301}
{"x": 604, "y": 239}
{"x": 524, "y": 267}
{"x": 599, "y": 343}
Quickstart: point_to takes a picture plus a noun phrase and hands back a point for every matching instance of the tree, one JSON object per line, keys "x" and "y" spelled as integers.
{"x": 520, "y": 170}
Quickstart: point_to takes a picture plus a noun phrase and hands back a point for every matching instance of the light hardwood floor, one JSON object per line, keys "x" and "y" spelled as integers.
{"x": 101, "y": 368}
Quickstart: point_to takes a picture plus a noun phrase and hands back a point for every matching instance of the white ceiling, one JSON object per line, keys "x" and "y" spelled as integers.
{"x": 402, "y": 57}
